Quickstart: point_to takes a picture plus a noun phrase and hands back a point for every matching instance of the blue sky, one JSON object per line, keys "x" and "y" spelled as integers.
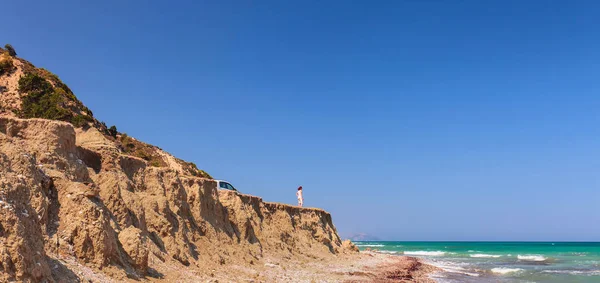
{"x": 409, "y": 120}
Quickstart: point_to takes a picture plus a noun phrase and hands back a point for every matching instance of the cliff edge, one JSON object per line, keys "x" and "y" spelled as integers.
{"x": 79, "y": 200}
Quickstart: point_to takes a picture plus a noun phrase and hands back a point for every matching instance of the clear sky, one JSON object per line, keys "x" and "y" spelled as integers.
{"x": 409, "y": 120}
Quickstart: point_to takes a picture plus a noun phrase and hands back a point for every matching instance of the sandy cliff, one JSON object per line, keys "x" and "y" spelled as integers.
{"x": 68, "y": 197}
{"x": 79, "y": 201}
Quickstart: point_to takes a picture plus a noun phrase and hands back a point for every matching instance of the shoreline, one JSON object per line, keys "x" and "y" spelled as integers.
{"x": 554, "y": 262}
{"x": 365, "y": 266}
{"x": 397, "y": 268}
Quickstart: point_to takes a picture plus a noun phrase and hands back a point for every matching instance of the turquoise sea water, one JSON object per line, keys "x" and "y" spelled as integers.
{"x": 566, "y": 262}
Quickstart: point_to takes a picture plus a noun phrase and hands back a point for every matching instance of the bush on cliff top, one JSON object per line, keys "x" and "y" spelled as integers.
{"x": 81, "y": 120}
{"x": 6, "y": 66}
{"x": 31, "y": 83}
{"x": 113, "y": 131}
{"x": 45, "y": 101}
{"x": 198, "y": 172}
{"x": 11, "y": 51}
{"x": 58, "y": 83}
{"x": 150, "y": 153}
{"x": 41, "y": 100}
{"x": 144, "y": 151}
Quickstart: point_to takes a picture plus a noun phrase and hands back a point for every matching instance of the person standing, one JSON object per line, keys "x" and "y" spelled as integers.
{"x": 300, "y": 197}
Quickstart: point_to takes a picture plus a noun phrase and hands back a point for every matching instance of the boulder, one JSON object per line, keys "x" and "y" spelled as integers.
{"x": 134, "y": 243}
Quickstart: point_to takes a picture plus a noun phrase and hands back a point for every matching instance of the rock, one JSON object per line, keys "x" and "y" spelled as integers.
{"x": 134, "y": 243}
{"x": 22, "y": 254}
{"x": 91, "y": 190}
{"x": 349, "y": 246}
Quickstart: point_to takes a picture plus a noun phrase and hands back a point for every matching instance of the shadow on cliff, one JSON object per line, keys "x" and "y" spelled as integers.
{"x": 53, "y": 210}
{"x": 91, "y": 158}
{"x": 60, "y": 272}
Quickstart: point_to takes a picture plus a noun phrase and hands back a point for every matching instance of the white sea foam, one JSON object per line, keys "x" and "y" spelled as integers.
{"x": 388, "y": 252}
{"x": 505, "y": 270}
{"x": 485, "y": 256}
{"x": 531, "y": 257}
{"x": 452, "y": 267}
{"x": 574, "y": 272}
{"x": 425, "y": 253}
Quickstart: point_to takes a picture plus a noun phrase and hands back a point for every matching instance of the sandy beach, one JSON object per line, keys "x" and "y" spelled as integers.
{"x": 363, "y": 267}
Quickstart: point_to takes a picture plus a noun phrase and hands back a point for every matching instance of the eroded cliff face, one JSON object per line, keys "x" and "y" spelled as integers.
{"x": 71, "y": 196}
{"x": 279, "y": 227}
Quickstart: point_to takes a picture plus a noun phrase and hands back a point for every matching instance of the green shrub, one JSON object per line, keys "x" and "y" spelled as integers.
{"x": 156, "y": 163}
{"x": 6, "y": 66}
{"x": 113, "y": 131}
{"x": 127, "y": 142}
{"x": 139, "y": 149}
{"x": 81, "y": 120}
{"x": 41, "y": 101}
{"x": 205, "y": 175}
{"x": 11, "y": 50}
{"x": 44, "y": 105}
{"x": 198, "y": 172}
{"x": 57, "y": 82}
{"x": 88, "y": 111}
{"x": 31, "y": 83}
{"x": 47, "y": 102}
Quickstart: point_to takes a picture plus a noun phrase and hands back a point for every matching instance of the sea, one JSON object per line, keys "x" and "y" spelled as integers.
{"x": 464, "y": 262}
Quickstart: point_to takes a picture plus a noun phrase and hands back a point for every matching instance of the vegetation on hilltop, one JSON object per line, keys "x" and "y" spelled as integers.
{"x": 11, "y": 51}
{"x": 112, "y": 131}
{"x": 46, "y": 96}
{"x": 149, "y": 153}
{"x": 193, "y": 169}
{"x": 43, "y": 100}
{"x": 142, "y": 150}
{"x": 6, "y": 63}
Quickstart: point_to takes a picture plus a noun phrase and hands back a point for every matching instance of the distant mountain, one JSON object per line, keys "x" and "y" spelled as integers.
{"x": 363, "y": 237}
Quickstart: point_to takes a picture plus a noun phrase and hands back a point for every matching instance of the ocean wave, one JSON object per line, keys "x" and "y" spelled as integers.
{"x": 388, "y": 252}
{"x": 505, "y": 270}
{"x": 531, "y": 257}
{"x": 426, "y": 253}
{"x": 485, "y": 256}
{"x": 587, "y": 262}
{"x": 451, "y": 267}
{"x": 573, "y": 272}
{"x": 370, "y": 245}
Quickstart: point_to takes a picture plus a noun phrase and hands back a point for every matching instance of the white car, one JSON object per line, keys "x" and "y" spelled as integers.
{"x": 224, "y": 185}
